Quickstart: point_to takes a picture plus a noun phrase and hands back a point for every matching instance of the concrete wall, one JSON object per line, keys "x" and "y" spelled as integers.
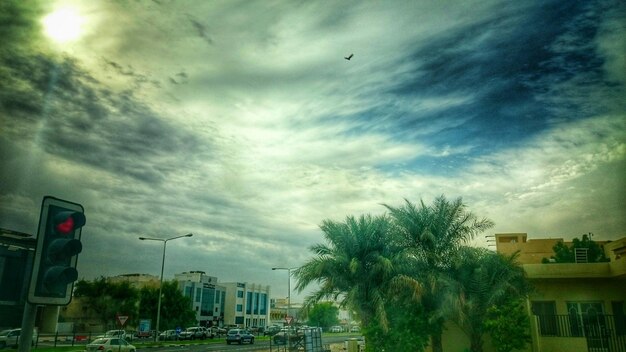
{"x": 561, "y": 344}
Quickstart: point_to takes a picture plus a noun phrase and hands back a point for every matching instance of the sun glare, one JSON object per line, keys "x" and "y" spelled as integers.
{"x": 63, "y": 25}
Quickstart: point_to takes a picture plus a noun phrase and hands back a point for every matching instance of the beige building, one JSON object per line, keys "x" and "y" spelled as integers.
{"x": 84, "y": 321}
{"x": 137, "y": 281}
{"x": 576, "y": 307}
{"x": 246, "y": 304}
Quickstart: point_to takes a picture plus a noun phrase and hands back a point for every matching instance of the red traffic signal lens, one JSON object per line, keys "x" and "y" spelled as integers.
{"x": 65, "y": 222}
{"x": 66, "y": 226}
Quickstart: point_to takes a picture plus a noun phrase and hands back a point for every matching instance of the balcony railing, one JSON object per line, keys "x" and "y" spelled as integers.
{"x": 602, "y": 332}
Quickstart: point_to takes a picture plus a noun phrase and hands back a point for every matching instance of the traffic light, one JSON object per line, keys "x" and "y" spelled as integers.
{"x": 56, "y": 254}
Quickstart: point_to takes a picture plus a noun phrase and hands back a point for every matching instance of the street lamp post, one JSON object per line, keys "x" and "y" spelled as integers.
{"x": 162, "y": 267}
{"x": 288, "y": 300}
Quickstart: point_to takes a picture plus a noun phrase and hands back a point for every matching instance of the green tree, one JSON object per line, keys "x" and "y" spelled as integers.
{"x": 484, "y": 280}
{"x": 176, "y": 309}
{"x": 324, "y": 315}
{"x": 432, "y": 236}
{"x": 356, "y": 267}
{"x": 566, "y": 254}
{"x": 406, "y": 326}
{"x": 106, "y": 299}
{"x": 508, "y": 325}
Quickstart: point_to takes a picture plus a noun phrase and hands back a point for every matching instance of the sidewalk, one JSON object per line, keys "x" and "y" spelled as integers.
{"x": 334, "y": 347}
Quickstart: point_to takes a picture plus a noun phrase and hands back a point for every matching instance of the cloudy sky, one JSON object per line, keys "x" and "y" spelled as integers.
{"x": 241, "y": 122}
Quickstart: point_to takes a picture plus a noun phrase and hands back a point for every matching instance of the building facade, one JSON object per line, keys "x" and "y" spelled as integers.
{"x": 137, "y": 281}
{"x": 207, "y": 296}
{"x": 246, "y": 305}
{"x": 16, "y": 258}
{"x": 575, "y": 306}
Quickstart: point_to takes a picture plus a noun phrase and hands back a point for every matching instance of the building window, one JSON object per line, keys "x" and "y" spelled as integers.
{"x": 208, "y": 296}
{"x": 249, "y": 303}
{"x": 588, "y": 319}
{"x": 256, "y": 303}
{"x": 546, "y": 313}
{"x": 240, "y": 307}
{"x": 263, "y": 303}
{"x": 239, "y": 294}
{"x": 198, "y": 294}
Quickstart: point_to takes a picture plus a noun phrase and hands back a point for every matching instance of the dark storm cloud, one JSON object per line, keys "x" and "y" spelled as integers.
{"x": 137, "y": 78}
{"x": 259, "y": 129}
{"x": 73, "y": 117}
{"x": 201, "y": 29}
{"x": 18, "y": 23}
{"x": 504, "y": 65}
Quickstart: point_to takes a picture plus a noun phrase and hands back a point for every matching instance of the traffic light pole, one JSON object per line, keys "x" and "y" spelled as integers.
{"x": 28, "y": 325}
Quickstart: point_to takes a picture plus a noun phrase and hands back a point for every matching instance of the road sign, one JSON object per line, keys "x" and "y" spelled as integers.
{"x": 122, "y": 319}
{"x": 288, "y": 320}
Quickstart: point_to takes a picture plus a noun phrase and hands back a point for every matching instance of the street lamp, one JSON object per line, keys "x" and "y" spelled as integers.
{"x": 288, "y": 287}
{"x": 288, "y": 301}
{"x": 162, "y": 267}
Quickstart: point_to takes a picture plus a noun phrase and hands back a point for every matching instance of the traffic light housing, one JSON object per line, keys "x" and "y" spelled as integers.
{"x": 56, "y": 254}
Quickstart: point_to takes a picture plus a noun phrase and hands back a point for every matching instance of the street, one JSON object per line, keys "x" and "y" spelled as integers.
{"x": 257, "y": 346}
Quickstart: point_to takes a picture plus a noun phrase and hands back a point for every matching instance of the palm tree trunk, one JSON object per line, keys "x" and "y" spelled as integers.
{"x": 476, "y": 344}
{"x": 436, "y": 341}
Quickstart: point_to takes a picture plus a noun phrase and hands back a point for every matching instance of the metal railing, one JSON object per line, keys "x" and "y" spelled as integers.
{"x": 604, "y": 333}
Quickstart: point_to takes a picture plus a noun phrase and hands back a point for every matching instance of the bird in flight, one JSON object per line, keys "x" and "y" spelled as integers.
{"x": 349, "y": 57}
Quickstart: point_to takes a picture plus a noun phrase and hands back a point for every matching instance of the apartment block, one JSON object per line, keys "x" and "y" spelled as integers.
{"x": 577, "y": 306}
{"x": 207, "y": 296}
{"x": 247, "y": 304}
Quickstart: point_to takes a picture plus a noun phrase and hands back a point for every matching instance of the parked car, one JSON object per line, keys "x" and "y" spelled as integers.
{"x": 239, "y": 336}
{"x": 11, "y": 338}
{"x": 193, "y": 333}
{"x": 355, "y": 329}
{"x": 168, "y": 335}
{"x": 281, "y": 337}
{"x": 114, "y": 333}
{"x": 216, "y": 331}
{"x": 144, "y": 334}
{"x": 109, "y": 344}
{"x": 271, "y": 330}
{"x": 336, "y": 328}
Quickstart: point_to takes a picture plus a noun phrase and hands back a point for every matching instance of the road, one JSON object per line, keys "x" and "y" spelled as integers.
{"x": 217, "y": 347}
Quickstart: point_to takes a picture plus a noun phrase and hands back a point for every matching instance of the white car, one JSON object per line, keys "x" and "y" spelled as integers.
{"x": 109, "y": 344}
{"x": 11, "y": 338}
{"x": 336, "y": 328}
{"x": 116, "y": 333}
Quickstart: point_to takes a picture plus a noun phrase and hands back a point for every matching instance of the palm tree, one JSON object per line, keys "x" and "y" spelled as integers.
{"x": 432, "y": 236}
{"x": 484, "y": 279}
{"x": 358, "y": 267}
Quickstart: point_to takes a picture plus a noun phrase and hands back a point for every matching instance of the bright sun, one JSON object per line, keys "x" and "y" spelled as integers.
{"x": 63, "y": 25}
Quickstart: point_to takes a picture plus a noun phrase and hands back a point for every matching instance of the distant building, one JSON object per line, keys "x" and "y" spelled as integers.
{"x": 281, "y": 308}
{"x": 137, "y": 281}
{"x": 207, "y": 296}
{"x": 16, "y": 259}
{"x": 246, "y": 304}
